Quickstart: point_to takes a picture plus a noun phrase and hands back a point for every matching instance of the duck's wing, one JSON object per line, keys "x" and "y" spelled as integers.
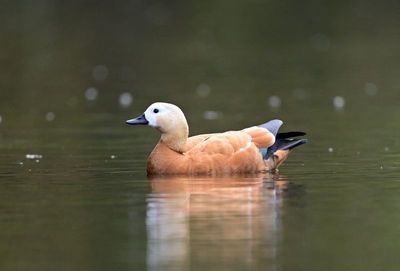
{"x": 221, "y": 143}
{"x": 262, "y": 137}
{"x": 230, "y": 142}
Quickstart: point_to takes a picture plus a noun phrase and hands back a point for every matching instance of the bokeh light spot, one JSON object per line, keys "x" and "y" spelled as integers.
{"x": 274, "y": 102}
{"x": 211, "y": 115}
{"x": 339, "y": 102}
{"x": 91, "y": 94}
{"x": 125, "y": 99}
{"x": 50, "y": 116}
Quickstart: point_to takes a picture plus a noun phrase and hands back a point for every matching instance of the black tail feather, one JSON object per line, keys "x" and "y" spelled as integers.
{"x": 283, "y": 141}
{"x": 284, "y": 144}
{"x": 289, "y": 134}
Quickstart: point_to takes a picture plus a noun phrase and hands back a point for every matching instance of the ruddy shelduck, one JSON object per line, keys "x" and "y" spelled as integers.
{"x": 255, "y": 149}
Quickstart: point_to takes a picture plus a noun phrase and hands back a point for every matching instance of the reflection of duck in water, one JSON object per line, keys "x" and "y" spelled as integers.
{"x": 255, "y": 149}
{"x": 219, "y": 221}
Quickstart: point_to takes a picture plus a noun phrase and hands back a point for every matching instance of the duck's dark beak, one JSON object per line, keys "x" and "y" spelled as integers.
{"x": 141, "y": 120}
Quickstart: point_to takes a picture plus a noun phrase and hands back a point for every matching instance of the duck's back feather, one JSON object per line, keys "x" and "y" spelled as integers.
{"x": 222, "y": 143}
{"x": 229, "y": 152}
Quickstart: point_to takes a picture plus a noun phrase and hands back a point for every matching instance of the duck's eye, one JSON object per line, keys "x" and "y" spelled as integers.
{"x": 156, "y": 110}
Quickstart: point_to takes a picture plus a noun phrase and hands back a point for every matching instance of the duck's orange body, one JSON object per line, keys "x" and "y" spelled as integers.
{"x": 224, "y": 153}
{"x": 221, "y": 153}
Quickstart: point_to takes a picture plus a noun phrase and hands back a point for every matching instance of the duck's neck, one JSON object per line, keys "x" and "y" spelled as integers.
{"x": 176, "y": 139}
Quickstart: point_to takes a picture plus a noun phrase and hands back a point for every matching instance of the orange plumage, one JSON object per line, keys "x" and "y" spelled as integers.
{"x": 214, "y": 154}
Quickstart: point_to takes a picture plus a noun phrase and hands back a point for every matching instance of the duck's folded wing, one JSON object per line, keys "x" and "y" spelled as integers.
{"x": 261, "y": 137}
{"x": 224, "y": 143}
{"x": 227, "y": 152}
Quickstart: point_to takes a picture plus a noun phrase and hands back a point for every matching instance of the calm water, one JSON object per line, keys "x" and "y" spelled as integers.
{"x": 79, "y": 209}
{"x": 86, "y": 203}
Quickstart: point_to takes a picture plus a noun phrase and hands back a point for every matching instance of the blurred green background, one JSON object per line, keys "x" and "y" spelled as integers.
{"x": 244, "y": 51}
{"x": 72, "y": 72}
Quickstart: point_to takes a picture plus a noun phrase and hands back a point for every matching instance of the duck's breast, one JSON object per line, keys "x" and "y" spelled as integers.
{"x": 164, "y": 160}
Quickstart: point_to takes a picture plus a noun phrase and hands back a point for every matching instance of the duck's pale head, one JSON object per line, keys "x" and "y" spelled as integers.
{"x": 169, "y": 120}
